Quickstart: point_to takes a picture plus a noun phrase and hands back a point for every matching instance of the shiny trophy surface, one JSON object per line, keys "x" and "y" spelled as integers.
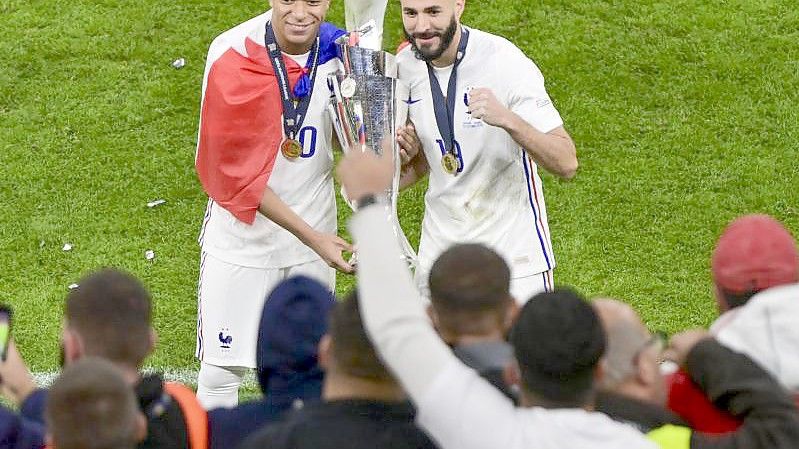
{"x": 366, "y": 102}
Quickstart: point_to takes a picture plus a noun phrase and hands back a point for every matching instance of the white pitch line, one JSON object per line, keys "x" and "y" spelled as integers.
{"x": 184, "y": 376}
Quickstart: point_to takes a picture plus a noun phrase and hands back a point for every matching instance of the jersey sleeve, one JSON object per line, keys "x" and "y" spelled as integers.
{"x": 529, "y": 98}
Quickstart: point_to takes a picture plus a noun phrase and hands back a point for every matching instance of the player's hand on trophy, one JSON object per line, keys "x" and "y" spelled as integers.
{"x": 329, "y": 247}
{"x": 680, "y": 345}
{"x": 364, "y": 173}
{"x": 484, "y": 105}
{"x": 409, "y": 143}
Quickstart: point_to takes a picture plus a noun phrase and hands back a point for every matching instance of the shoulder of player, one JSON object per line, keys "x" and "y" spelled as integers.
{"x": 239, "y": 32}
{"x": 507, "y": 57}
{"x": 235, "y": 37}
{"x": 405, "y": 54}
{"x": 409, "y": 67}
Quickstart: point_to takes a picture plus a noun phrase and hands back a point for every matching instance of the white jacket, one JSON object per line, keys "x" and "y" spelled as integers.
{"x": 456, "y": 406}
{"x": 766, "y": 329}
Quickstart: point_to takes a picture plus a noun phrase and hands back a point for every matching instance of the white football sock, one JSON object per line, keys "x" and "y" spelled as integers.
{"x": 218, "y": 386}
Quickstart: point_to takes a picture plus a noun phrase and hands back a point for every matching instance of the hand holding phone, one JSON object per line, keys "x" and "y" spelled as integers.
{"x": 16, "y": 381}
{"x": 5, "y": 330}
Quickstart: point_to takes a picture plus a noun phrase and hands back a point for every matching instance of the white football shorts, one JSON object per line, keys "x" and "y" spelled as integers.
{"x": 521, "y": 288}
{"x": 230, "y": 301}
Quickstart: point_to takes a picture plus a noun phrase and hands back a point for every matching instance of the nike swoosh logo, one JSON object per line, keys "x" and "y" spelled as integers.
{"x": 410, "y": 101}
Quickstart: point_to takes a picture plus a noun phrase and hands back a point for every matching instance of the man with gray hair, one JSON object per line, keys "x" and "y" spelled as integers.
{"x": 633, "y": 390}
{"x": 632, "y": 382}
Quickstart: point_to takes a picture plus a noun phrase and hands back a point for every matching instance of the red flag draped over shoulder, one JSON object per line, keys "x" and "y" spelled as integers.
{"x": 241, "y": 128}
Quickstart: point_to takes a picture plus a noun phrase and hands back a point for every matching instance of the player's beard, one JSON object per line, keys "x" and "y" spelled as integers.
{"x": 434, "y": 53}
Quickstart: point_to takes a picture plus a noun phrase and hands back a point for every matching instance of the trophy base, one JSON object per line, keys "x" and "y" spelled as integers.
{"x": 410, "y": 261}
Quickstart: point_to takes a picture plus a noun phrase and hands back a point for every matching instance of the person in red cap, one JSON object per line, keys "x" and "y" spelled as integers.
{"x": 754, "y": 253}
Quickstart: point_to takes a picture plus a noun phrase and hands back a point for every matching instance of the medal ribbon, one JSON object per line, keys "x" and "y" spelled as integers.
{"x": 293, "y": 113}
{"x": 445, "y": 115}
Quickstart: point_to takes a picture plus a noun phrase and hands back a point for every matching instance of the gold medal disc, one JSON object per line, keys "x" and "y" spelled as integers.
{"x": 291, "y": 149}
{"x": 450, "y": 163}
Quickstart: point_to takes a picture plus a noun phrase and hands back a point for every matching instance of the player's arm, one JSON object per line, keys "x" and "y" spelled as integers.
{"x": 414, "y": 162}
{"x": 553, "y": 150}
{"x": 328, "y": 246}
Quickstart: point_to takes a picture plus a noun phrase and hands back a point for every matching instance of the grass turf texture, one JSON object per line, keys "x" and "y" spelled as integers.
{"x": 683, "y": 113}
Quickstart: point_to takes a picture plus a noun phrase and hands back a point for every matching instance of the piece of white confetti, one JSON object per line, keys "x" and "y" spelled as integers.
{"x": 149, "y": 254}
{"x": 67, "y": 247}
{"x": 73, "y": 286}
{"x": 155, "y": 203}
{"x": 179, "y": 63}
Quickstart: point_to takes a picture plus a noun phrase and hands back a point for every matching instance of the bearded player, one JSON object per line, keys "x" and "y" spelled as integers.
{"x": 264, "y": 158}
{"x": 485, "y": 122}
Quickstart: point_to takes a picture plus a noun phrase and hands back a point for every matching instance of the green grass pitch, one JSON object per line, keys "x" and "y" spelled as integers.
{"x": 684, "y": 115}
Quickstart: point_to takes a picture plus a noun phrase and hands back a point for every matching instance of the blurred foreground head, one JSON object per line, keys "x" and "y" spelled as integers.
{"x": 633, "y": 353}
{"x": 469, "y": 293}
{"x": 293, "y": 322}
{"x": 352, "y": 366}
{"x": 558, "y": 341}
{"x": 109, "y": 316}
{"x": 91, "y": 406}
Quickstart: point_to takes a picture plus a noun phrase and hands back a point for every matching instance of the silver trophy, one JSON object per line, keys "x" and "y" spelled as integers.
{"x": 366, "y": 105}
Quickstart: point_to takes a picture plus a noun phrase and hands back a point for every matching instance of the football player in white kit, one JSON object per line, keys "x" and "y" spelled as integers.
{"x": 485, "y": 123}
{"x": 265, "y": 158}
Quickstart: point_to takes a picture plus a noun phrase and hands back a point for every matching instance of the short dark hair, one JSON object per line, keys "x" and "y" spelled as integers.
{"x": 558, "y": 340}
{"x": 733, "y": 300}
{"x": 351, "y": 347}
{"x": 90, "y": 406}
{"x": 111, "y": 311}
{"x": 467, "y": 281}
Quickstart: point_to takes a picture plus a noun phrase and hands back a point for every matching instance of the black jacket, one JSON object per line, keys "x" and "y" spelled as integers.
{"x": 166, "y": 426}
{"x": 644, "y": 416}
{"x": 735, "y": 383}
{"x": 489, "y": 359}
{"x": 351, "y": 424}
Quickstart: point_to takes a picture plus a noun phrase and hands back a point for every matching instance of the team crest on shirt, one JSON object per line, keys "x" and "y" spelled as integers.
{"x": 470, "y": 121}
{"x": 225, "y": 338}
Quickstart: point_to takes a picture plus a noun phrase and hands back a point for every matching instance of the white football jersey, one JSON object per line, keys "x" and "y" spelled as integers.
{"x": 305, "y": 184}
{"x": 497, "y": 199}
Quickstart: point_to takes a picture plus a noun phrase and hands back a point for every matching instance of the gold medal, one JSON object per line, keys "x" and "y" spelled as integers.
{"x": 290, "y": 148}
{"x": 450, "y": 163}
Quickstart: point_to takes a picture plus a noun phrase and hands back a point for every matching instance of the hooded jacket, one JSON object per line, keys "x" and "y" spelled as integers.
{"x": 766, "y": 330}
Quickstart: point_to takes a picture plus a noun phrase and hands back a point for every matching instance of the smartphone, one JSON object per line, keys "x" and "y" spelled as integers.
{"x": 5, "y": 330}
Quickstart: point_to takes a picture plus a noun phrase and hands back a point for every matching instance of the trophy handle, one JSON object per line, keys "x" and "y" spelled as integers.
{"x": 358, "y": 13}
{"x": 401, "y": 91}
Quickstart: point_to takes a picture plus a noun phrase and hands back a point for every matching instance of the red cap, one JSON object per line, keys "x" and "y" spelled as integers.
{"x": 754, "y": 253}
